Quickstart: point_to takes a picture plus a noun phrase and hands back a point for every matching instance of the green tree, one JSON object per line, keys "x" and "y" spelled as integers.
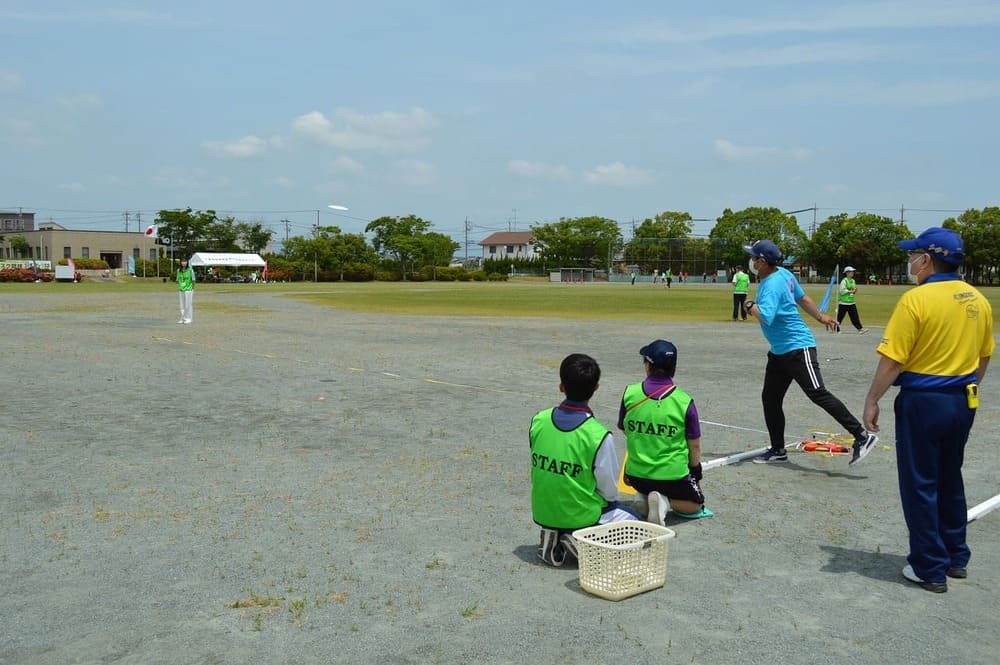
{"x": 866, "y": 241}
{"x": 733, "y": 230}
{"x": 221, "y": 236}
{"x": 399, "y": 237}
{"x": 577, "y": 242}
{"x": 659, "y": 241}
{"x": 185, "y": 228}
{"x": 437, "y": 249}
{"x": 980, "y": 231}
{"x": 255, "y": 237}
{"x": 20, "y": 246}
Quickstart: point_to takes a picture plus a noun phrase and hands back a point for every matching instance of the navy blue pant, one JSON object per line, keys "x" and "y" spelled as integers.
{"x": 931, "y": 431}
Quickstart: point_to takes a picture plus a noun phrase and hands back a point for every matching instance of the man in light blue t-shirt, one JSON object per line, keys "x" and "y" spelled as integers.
{"x": 793, "y": 352}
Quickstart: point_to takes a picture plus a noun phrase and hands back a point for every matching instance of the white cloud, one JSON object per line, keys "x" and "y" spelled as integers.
{"x": 248, "y": 146}
{"x": 908, "y": 15}
{"x": 731, "y": 152}
{"x": 345, "y": 164}
{"x": 539, "y": 170}
{"x": 414, "y": 173}
{"x": 793, "y": 54}
{"x": 197, "y": 180}
{"x": 10, "y": 82}
{"x": 618, "y": 175}
{"x": 935, "y": 93}
{"x": 83, "y": 100}
{"x": 72, "y": 187}
{"x": 387, "y": 132}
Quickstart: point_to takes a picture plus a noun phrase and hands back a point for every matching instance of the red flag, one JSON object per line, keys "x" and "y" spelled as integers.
{"x": 151, "y": 231}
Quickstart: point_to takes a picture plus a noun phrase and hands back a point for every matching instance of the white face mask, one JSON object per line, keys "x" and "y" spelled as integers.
{"x": 750, "y": 264}
{"x": 913, "y": 277}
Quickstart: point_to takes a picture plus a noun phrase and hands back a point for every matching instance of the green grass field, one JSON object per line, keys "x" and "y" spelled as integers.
{"x": 517, "y": 298}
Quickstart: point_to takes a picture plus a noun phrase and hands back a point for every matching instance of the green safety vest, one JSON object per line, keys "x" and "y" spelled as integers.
{"x": 185, "y": 279}
{"x": 742, "y": 284}
{"x": 563, "y": 485}
{"x": 656, "y": 435}
{"x": 847, "y": 298}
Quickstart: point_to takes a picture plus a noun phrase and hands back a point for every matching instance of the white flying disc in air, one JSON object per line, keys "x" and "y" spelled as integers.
{"x": 336, "y": 207}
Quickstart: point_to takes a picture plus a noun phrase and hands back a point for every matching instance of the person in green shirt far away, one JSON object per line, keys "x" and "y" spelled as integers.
{"x": 185, "y": 287}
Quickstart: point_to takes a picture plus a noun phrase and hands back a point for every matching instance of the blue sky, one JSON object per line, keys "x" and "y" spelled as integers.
{"x": 505, "y": 114}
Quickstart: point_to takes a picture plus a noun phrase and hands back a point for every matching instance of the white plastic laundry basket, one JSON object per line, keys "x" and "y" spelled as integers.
{"x": 622, "y": 559}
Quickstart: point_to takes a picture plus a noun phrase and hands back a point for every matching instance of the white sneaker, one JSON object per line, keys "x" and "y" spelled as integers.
{"x": 181, "y": 321}
{"x": 657, "y": 509}
{"x": 186, "y": 321}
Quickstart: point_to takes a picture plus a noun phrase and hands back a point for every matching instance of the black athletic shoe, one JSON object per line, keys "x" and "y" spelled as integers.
{"x": 958, "y": 573}
{"x": 862, "y": 446}
{"x": 933, "y": 587}
{"x": 551, "y": 549}
{"x": 771, "y": 456}
{"x": 568, "y": 543}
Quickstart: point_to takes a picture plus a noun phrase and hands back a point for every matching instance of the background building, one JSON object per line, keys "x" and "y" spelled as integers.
{"x": 509, "y": 245}
{"x": 52, "y": 242}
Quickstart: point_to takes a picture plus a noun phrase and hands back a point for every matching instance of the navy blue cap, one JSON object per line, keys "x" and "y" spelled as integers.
{"x": 660, "y": 353}
{"x": 765, "y": 249}
{"x": 945, "y": 244}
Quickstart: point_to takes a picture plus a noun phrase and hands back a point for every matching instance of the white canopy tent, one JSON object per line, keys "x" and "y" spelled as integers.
{"x": 228, "y": 260}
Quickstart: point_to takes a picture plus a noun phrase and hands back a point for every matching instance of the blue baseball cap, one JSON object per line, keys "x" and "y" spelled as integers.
{"x": 660, "y": 353}
{"x": 945, "y": 244}
{"x": 765, "y": 249}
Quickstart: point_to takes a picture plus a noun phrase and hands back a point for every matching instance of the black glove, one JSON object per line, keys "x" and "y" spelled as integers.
{"x": 695, "y": 472}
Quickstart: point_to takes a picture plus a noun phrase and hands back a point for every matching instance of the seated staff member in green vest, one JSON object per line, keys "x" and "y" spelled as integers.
{"x": 661, "y": 426}
{"x": 846, "y": 305}
{"x": 574, "y": 466}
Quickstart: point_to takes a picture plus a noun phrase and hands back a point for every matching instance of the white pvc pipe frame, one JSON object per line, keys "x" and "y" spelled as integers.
{"x": 974, "y": 513}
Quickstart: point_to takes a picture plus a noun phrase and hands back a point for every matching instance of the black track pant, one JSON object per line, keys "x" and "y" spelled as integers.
{"x": 802, "y": 367}
{"x": 739, "y": 306}
{"x": 852, "y": 311}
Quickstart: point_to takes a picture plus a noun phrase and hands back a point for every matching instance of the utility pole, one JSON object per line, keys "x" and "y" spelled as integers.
{"x": 467, "y": 227}
{"x": 126, "y": 221}
{"x": 286, "y": 223}
{"x": 902, "y": 220}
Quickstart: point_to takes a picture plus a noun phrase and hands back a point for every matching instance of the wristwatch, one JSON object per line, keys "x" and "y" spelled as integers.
{"x": 748, "y": 304}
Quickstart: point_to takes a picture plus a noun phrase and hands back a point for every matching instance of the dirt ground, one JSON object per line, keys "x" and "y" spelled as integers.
{"x": 280, "y": 482}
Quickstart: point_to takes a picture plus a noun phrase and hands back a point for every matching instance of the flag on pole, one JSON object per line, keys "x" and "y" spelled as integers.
{"x": 152, "y": 230}
{"x": 834, "y": 278}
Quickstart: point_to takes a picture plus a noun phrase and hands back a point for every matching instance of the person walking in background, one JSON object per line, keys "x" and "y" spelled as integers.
{"x": 793, "y": 352}
{"x": 741, "y": 286}
{"x": 574, "y": 465}
{"x": 846, "y": 305}
{"x": 936, "y": 348}
{"x": 663, "y": 436}
{"x": 185, "y": 286}
{"x": 633, "y": 278}
{"x": 668, "y": 277}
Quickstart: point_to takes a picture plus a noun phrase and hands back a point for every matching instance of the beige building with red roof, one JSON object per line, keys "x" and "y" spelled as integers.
{"x": 509, "y": 245}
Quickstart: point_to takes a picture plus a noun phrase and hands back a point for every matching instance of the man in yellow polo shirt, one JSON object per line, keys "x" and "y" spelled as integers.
{"x": 936, "y": 348}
